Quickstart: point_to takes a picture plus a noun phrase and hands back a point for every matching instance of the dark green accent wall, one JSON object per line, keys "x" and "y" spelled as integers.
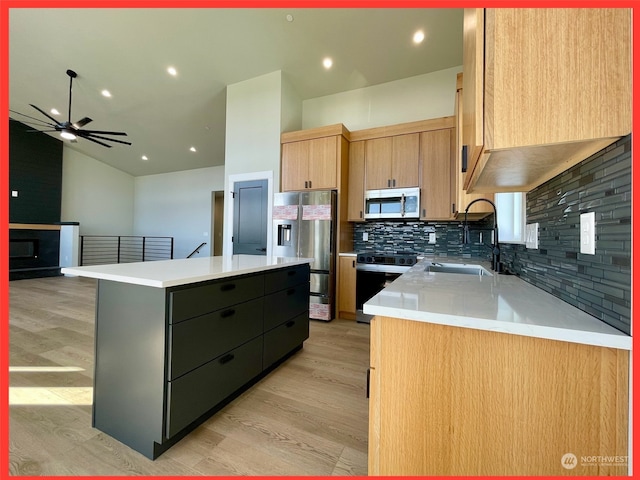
{"x": 35, "y": 171}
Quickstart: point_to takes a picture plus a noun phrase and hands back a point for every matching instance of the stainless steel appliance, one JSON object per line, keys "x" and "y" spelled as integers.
{"x": 374, "y": 271}
{"x": 304, "y": 226}
{"x": 400, "y": 203}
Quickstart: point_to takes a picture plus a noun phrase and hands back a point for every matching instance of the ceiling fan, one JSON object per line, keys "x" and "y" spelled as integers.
{"x": 72, "y": 130}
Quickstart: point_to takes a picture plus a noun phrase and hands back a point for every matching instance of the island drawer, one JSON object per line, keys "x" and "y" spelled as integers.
{"x": 191, "y": 302}
{"x": 283, "y": 339}
{"x": 284, "y": 278}
{"x": 195, "y": 393}
{"x": 285, "y": 304}
{"x": 198, "y": 340}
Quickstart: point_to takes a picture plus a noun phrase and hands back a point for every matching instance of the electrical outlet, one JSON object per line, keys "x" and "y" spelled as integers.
{"x": 14, "y": 193}
{"x": 588, "y": 233}
{"x": 365, "y": 236}
{"x": 531, "y": 235}
{"x": 432, "y": 238}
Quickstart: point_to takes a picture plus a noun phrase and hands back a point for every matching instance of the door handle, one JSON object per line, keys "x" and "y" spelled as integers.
{"x": 290, "y": 324}
{"x": 465, "y": 153}
{"x": 309, "y": 183}
{"x": 227, "y": 313}
{"x": 227, "y": 358}
{"x": 227, "y": 287}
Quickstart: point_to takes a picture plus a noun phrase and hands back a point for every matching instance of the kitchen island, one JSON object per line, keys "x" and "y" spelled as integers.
{"x": 489, "y": 375}
{"x": 178, "y": 339}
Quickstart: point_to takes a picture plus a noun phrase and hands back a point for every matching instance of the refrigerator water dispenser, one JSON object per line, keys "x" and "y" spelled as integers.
{"x": 284, "y": 235}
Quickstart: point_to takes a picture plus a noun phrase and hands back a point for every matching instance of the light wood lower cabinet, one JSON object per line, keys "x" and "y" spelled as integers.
{"x": 458, "y": 401}
{"x": 347, "y": 288}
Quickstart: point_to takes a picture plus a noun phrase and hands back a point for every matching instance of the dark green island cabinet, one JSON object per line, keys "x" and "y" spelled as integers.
{"x": 167, "y": 358}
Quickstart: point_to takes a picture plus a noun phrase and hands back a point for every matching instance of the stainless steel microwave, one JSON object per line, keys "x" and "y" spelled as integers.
{"x": 392, "y": 203}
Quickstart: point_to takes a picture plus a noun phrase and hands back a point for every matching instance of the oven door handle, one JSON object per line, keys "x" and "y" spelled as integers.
{"x": 402, "y": 200}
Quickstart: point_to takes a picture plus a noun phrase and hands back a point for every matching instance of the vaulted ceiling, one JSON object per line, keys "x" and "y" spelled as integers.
{"x": 128, "y": 51}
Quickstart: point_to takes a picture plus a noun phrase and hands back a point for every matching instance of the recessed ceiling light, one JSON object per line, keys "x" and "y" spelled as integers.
{"x": 172, "y": 71}
{"x": 418, "y": 37}
{"x": 106, "y": 93}
{"x": 289, "y": 17}
{"x": 144, "y": 157}
{"x": 193, "y": 149}
{"x": 327, "y": 62}
{"x": 55, "y": 112}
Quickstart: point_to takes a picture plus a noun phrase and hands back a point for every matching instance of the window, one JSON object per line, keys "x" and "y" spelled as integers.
{"x": 512, "y": 216}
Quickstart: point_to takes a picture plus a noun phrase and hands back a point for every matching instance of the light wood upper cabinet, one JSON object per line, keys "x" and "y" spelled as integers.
{"x": 310, "y": 164}
{"x": 405, "y": 160}
{"x": 378, "y": 163}
{"x": 356, "y": 182}
{"x": 436, "y": 196}
{"x": 392, "y": 162}
{"x": 556, "y": 88}
{"x": 295, "y": 171}
{"x": 473, "y": 84}
{"x": 462, "y": 198}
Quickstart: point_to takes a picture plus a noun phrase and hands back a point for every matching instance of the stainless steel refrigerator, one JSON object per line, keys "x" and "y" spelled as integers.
{"x": 304, "y": 226}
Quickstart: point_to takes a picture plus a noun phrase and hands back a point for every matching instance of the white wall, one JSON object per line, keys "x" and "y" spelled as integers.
{"x": 253, "y": 125}
{"x": 98, "y": 196}
{"x": 252, "y": 149}
{"x": 431, "y": 95}
{"x": 178, "y": 205}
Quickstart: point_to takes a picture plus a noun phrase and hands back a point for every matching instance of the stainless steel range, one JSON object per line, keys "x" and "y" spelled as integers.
{"x": 376, "y": 270}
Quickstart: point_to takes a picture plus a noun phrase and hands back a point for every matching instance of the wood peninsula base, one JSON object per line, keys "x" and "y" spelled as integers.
{"x": 457, "y": 401}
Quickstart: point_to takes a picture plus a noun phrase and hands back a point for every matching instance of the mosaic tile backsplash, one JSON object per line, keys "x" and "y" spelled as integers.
{"x": 598, "y": 284}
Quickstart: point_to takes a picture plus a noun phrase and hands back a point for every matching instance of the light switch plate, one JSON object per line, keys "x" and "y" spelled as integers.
{"x": 588, "y": 233}
{"x": 432, "y": 237}
{"x": 365, "y": 236}
{"x": 14, "y": 193}
{"x": 531, "y": 232}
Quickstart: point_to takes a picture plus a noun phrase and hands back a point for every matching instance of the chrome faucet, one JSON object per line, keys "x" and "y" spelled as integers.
{"x": 495, "y": 249}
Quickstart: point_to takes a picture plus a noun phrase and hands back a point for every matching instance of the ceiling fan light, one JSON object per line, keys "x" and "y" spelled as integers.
{"x": 67, "y": 135}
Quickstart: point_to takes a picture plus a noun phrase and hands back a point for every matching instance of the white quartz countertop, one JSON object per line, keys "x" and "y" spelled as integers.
{"x": 169, "y": 273}
{"x": 500, "y": 303}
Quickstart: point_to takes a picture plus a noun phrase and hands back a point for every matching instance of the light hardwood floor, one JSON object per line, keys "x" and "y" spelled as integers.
{"x": 308, "y": 417}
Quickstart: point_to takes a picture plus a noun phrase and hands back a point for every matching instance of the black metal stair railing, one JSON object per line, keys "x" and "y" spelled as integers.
{"x": 105, "y": 249}
{"x": 197, "y": 249}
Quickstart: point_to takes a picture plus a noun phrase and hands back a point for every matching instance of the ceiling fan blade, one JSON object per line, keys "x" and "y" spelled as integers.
{"x": 96, "y": 141}
{"x": 82, "y": 122}
{"x": 104, "y": 132}
{"x": 45, "y": 113}
{"x": 41, "y": 131}
{"x": 33, "y": 118}
{"x": 81, "y": 133}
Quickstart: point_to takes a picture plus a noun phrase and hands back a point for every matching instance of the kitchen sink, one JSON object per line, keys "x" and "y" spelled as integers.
{"x": 461, "y": 268}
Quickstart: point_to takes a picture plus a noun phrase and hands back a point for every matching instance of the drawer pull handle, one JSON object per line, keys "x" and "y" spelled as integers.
{"x": 290, "y": 323}
{"x": 227, "y": 358}
{"x": 291, "y": 291}
{"x": 227, "y": 313}
{"x": 227, "y": 287}
{"x": 291, "y": 272}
